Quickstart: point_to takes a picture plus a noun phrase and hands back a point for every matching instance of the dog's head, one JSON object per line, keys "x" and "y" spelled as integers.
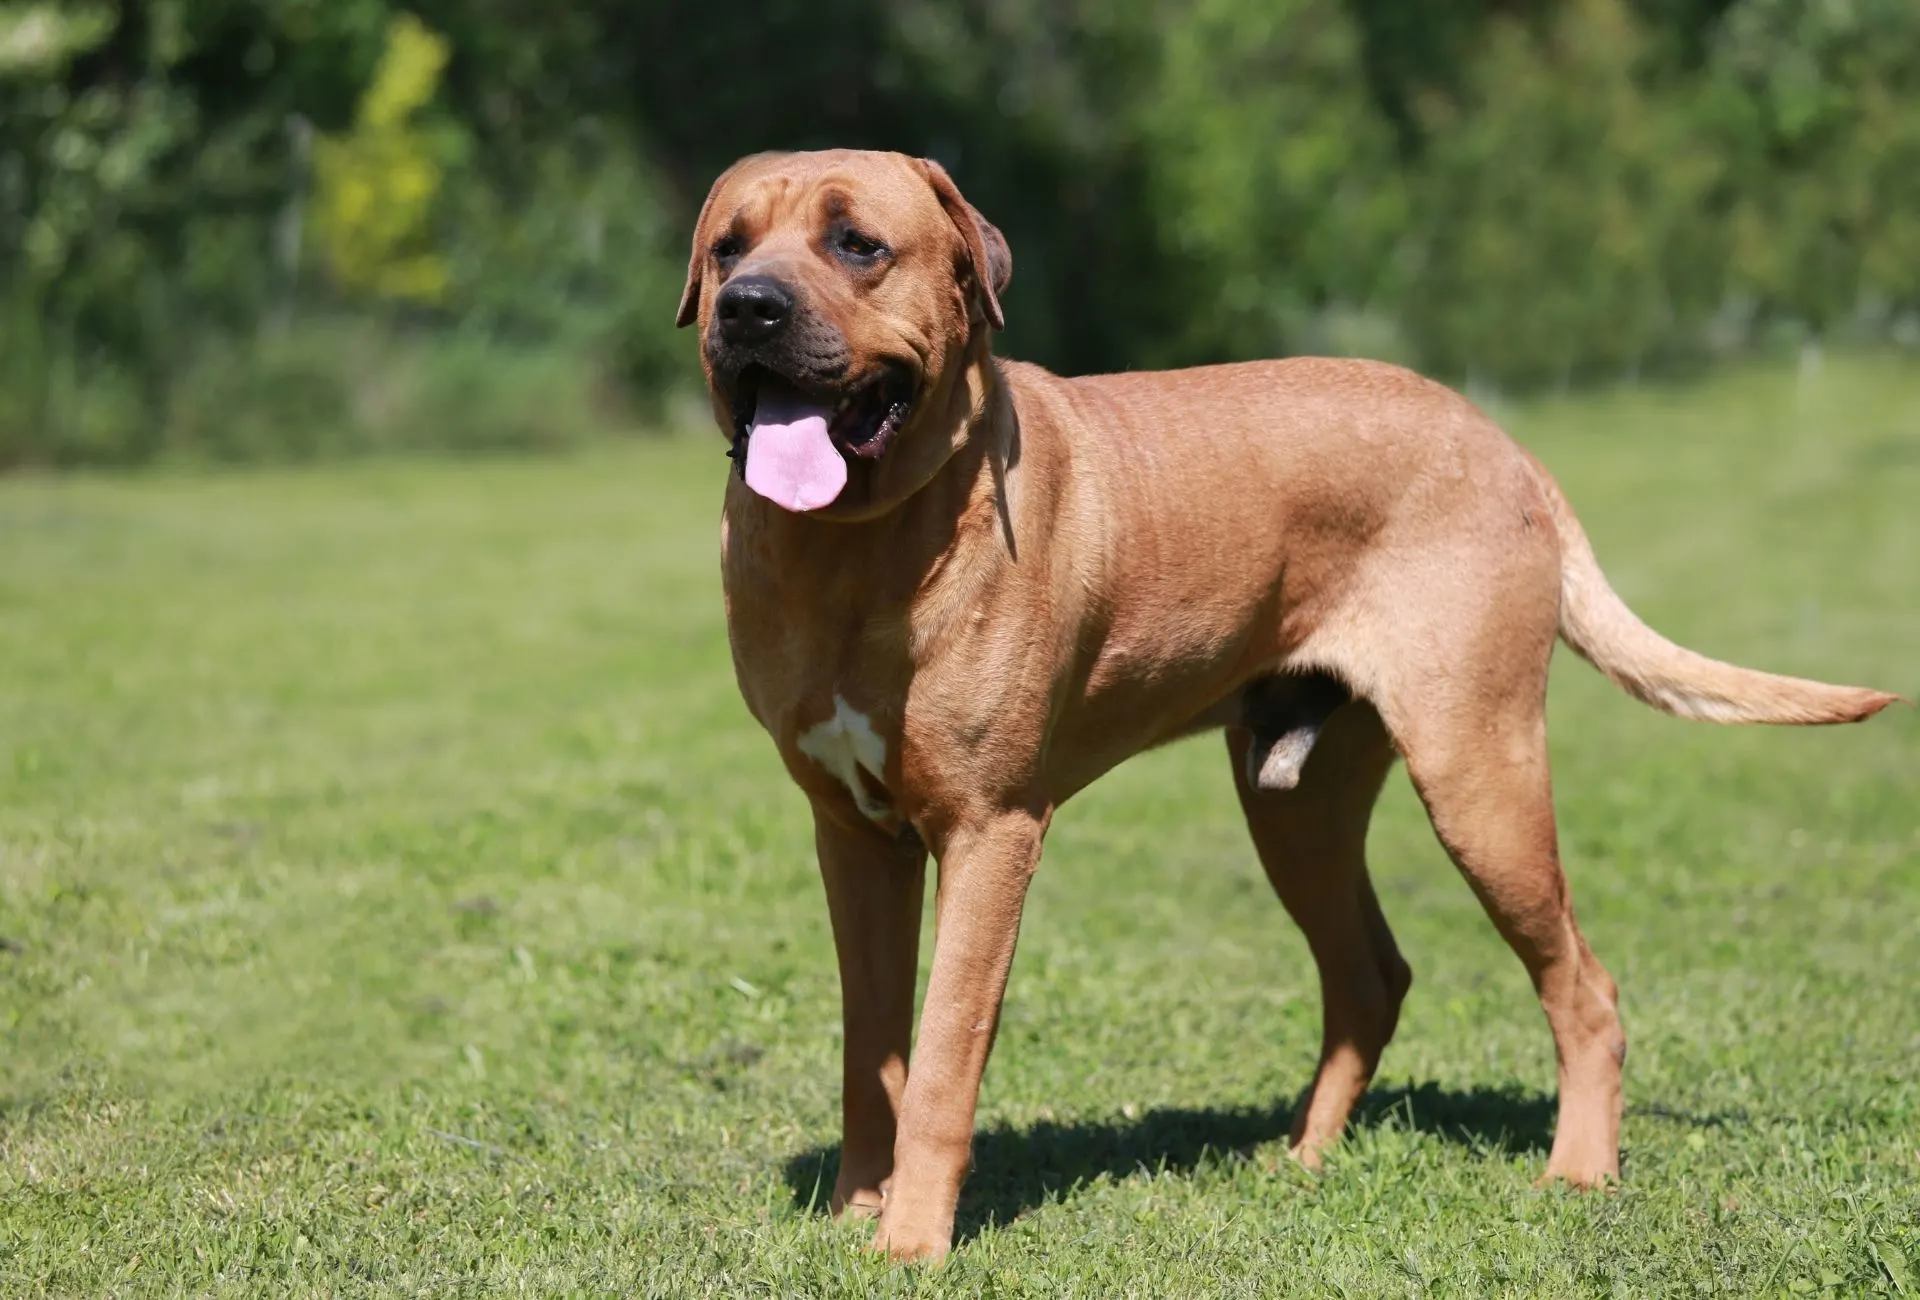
{"x": 844, "y": 302}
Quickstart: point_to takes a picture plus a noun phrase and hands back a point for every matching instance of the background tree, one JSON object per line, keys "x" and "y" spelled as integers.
{"x": 1525, "y": 191}
{"x": 1562, "y": 209}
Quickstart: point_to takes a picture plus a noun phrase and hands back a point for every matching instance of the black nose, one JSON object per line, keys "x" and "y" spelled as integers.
{"x": 753, "y": 309}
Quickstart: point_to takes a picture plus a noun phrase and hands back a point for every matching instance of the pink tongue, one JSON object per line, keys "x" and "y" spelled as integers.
{"x": 790, "y": 459}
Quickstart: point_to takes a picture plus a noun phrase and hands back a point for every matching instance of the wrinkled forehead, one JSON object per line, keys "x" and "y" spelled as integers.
{"x": 873, "y": 189}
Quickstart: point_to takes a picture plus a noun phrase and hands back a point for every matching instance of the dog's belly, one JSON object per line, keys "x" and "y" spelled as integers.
{"x": 1139, "y": 700}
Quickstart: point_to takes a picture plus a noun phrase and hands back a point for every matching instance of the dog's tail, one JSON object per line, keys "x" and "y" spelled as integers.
{"x": 1608, "y": 635}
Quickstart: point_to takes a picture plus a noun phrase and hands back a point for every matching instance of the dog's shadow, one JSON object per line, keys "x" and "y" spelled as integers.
{"x": 1016, "y": 1170}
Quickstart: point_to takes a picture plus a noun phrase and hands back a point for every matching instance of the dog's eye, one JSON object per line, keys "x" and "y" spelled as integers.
{"x": 728, "y": 248}
{"x": 855, "y": 244}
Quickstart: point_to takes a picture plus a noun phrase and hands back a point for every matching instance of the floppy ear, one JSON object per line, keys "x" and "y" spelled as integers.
{"x": 986, "y": 246}
{"x": 697, "y": 261}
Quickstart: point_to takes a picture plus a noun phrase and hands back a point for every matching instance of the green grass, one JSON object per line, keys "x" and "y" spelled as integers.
{"x": 396, "y": 899}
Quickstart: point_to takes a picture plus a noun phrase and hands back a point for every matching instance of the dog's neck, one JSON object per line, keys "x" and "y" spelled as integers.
{"x": 952, "y": 522}
{"x": 954, "y": 436}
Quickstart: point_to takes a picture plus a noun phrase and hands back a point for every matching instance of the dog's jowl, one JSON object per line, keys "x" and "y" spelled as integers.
{"x": 960, "y": 588}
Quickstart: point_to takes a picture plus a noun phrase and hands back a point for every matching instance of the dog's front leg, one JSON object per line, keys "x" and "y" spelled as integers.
{"x": 875, "y": 884}
{"x": 985, "y": 864}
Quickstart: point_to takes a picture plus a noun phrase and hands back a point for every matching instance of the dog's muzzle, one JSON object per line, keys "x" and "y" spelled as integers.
{"x": 792, "y": 439}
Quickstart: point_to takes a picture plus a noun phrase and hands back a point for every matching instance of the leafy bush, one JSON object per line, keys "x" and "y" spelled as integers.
{"x": 201, "y": 201}
{"x": 1564, "y": 221}
{"x": 338, "y": 387}
{"x": 379, "y": 184}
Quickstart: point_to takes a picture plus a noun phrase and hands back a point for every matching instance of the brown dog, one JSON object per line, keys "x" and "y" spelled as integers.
{"x": 959, "y": 589}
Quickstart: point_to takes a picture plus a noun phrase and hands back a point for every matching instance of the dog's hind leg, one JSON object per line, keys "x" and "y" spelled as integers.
{"x": 1312, "y": 841}
{"x": 1491, "y": 802}
{"x": 1475, "y": 742}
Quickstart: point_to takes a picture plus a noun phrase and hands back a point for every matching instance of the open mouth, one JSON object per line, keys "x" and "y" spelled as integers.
{"x": 791, "y": 440}
{"x": 862, "y": 420}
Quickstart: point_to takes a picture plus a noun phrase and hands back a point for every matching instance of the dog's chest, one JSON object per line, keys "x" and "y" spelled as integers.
{"x": 824, "y": 657}
{"x": 850, "y": 749}
{"x": 826, "y": 696}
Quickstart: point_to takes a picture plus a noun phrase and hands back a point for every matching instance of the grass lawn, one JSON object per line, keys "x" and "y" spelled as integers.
{"x": 395, "y": 898}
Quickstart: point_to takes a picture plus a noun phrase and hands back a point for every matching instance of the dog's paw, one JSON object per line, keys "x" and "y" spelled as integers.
{"x": 1595, "y": 1175}
{"x": 858, "y": 1203}
{"x": 906, "y": 1238}
{"x": 1585, "y": 1181}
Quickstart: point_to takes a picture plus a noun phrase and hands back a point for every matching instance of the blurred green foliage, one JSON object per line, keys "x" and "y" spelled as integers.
{"x": 200, "y": 199}
{"x": 378, "y": 184}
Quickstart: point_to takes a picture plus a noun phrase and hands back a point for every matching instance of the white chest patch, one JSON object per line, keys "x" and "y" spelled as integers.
{"x": 844, "y": 744}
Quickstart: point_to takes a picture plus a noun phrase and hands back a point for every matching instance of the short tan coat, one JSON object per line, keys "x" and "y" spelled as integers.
{"x": 1333, "y": 561}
